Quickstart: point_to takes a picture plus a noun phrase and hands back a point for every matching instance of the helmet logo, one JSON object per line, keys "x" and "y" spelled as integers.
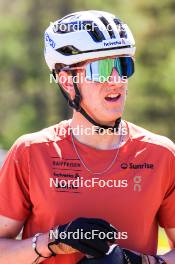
{"x": 107, "y": 44}
{"x": 49, "y": 41}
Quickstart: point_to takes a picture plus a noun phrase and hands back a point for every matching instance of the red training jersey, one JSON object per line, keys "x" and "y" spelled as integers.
{"x": 143, "y": 196}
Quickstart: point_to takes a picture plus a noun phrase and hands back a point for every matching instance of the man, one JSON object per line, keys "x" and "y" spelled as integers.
{"x": 112, "y": 177}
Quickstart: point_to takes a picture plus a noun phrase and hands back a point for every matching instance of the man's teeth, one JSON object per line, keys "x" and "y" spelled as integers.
{"x": 113, "y": 95}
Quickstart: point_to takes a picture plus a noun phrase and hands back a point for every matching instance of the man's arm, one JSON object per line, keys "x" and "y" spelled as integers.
{"x": 14, "y": 251}
{"x": 169, "y": 257}
{"x": 20, "y": 252}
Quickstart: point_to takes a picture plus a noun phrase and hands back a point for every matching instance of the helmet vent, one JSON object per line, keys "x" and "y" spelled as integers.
{"x": 120, "y": 28}
{"x": 117, "y": 21}
{"x": 63, "y": 28}
{"x": 108, "y": 26}
{"x": 93, "y": 30}
{"x": 68, "y": 50}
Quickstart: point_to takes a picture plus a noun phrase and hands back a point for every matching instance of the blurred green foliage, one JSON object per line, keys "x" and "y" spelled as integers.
{"x": 28, "y": 101}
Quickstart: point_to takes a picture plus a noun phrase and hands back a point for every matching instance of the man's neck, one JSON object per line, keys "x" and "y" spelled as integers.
{"x": 88, "y": 136}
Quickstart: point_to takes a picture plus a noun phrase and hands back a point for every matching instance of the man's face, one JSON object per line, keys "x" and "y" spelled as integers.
{"x": 104, "y": 102}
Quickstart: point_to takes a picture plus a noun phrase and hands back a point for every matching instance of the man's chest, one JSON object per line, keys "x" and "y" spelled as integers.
{"x": 62, "y": 183}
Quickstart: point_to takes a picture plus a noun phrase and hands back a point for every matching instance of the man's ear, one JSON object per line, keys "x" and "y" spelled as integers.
{"x": 66, "y": 82}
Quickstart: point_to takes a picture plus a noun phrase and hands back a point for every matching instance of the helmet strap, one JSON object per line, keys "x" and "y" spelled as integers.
{"x": 75, "y": 104}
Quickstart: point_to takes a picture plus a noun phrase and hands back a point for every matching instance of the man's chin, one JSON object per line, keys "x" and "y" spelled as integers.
{"x": 110, "y": 122}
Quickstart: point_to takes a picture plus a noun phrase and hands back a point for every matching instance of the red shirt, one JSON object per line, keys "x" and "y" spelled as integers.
{"x": 144, "y": 170}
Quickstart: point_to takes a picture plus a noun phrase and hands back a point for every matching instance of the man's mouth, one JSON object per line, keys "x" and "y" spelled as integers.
{"x": 112, "y": 97}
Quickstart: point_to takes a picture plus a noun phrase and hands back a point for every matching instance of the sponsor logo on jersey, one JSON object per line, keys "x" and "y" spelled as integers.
{"x": 137, "y": 183}
{"x": 64, "y": 173}
{"x": 66, "y": 164}
{"x": 137, "y": 166}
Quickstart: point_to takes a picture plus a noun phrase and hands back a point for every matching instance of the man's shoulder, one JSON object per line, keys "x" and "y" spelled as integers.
{"x": 138, "y": 133}
{"x": 52, "y": 133}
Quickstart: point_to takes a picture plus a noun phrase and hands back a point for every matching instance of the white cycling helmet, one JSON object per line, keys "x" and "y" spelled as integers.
{"x": 86, "y": 35}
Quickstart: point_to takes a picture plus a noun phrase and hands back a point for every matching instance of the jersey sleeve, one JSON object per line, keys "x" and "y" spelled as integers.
{"x": 14, "y": 183}
{"x": 166, "y": 214}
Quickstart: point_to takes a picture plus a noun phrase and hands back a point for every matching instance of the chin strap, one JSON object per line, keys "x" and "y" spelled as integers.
{"x": 75, "y": 104}
{"x": 100, "y": 127}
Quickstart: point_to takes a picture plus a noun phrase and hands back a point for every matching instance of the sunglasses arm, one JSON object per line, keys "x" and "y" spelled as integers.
{"x": 72, "y": 68}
